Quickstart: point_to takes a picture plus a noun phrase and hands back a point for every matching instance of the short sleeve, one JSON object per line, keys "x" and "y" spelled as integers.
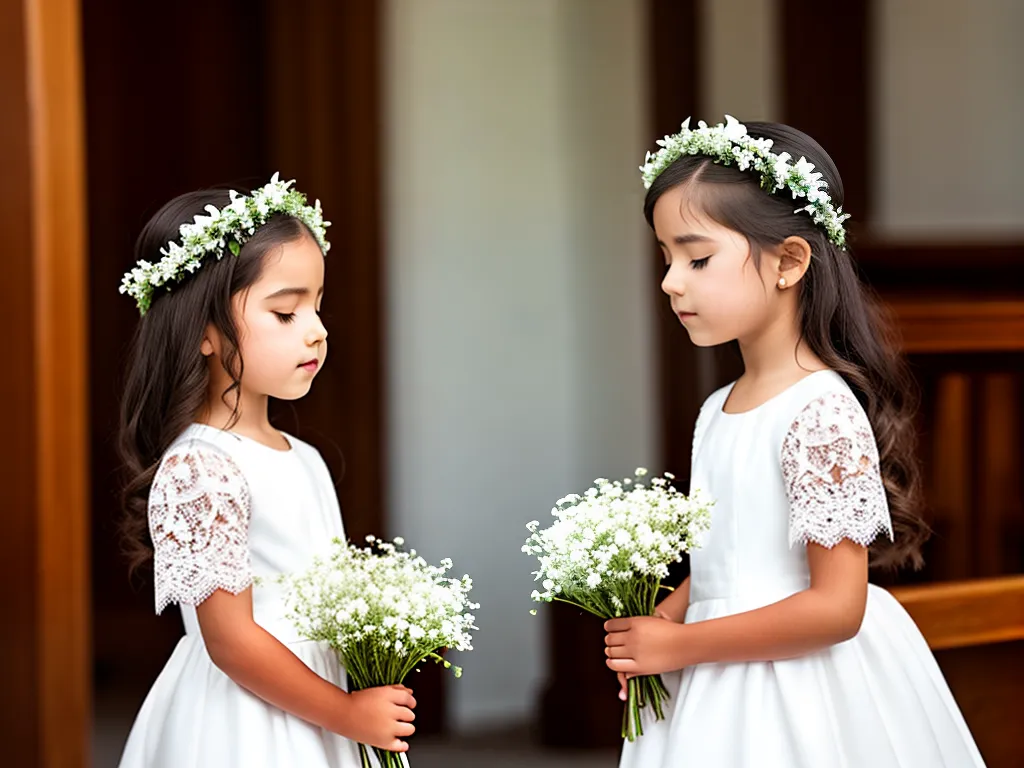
{"x": 830, "y": 466}
{"x": 199, "y": 509}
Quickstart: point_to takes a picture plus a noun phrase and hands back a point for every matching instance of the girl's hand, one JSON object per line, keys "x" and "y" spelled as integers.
{"x": 622, "y": 677}
{"x": 643, "y": 645}
{"x": 381, "y": 717}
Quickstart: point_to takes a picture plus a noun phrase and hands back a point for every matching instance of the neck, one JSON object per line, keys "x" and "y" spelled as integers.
{"x": 778, "y": 351}
{"x": 249, "y": 418}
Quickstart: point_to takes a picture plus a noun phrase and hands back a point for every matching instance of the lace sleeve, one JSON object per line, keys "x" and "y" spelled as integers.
{"x": 199, "y": 521}
{"x": 830, "y": 466}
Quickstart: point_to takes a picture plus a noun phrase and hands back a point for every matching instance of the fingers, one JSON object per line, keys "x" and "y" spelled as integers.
{"x": 617, "y": 625}
{"x": 616, "y": 638}
{"x": 404, "y": 698}
{"x": 624, "y": 685}
{"x": 623, "y": 665}
{"x": 618, "y": 652}
{"x": 397, "y": 746}
{"x": 405, "y": 714}
{"x": 404, "y": 730}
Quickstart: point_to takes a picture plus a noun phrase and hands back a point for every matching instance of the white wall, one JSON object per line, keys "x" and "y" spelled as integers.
{"x": 949, "y": 79}
{"x": 518, "y": 291}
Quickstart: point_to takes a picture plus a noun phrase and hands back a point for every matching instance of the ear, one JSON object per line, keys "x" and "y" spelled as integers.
{"x": 794, "y": 257}
{"x": 211, "y": 341}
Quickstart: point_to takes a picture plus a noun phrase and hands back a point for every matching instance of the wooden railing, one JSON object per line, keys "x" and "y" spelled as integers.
{"x": 966, "y": 613}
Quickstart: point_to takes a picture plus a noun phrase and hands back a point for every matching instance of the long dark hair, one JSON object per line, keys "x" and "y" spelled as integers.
{"x": 841, "y": 320}
{"x": 167, "y": 379}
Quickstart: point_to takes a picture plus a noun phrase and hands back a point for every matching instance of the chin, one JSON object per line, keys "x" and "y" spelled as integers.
{"x": 705, "y": 340}
{"x": 293, "y": 393}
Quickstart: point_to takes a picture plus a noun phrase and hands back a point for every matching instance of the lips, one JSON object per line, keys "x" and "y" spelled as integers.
{"x": 310, "y": 365}
{"x": 684, "y": 316}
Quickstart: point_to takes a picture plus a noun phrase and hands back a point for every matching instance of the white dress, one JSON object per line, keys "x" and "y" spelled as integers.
{"x": 875, "y": 701}
{"x": 223, "y": 509}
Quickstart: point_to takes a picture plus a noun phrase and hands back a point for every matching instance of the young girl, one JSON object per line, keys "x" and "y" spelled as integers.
{"x": 776, "y": 650}
{"x": 230, "y": 289}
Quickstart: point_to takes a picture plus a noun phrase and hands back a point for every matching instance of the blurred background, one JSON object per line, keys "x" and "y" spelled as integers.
{"x": 497, "y": 334}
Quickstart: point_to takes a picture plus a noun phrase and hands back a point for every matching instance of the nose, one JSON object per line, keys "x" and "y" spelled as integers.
{"x": 673, "y": 284}
{"x": 316, "y": 332}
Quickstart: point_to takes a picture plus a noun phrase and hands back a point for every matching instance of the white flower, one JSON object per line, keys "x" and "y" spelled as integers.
{"x": 209, "y": 235}
{"x": 611, "y": 535}
{"x": 731, "y": 144}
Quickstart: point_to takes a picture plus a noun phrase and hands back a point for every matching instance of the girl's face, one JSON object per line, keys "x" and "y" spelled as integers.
{"x": 716, "y": 290}
{"x": 282, "y": 342}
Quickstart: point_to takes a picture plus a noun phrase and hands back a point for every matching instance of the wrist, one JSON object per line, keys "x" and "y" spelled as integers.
{"x": 685, "y": 646}
{"x": 340, "y": 714}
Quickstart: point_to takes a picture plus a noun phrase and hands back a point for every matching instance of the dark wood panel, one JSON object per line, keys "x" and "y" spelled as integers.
{"x": 253, "y": 88}
{"x": 831, "y": 100}
{"x": 987, "y": 682}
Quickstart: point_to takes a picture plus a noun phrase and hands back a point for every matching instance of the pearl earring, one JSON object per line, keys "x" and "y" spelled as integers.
{"x": 782, "y": 282}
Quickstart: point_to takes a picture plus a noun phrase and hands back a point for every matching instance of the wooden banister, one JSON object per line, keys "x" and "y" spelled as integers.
{"x": 938, "y": 325}
{"x": 966, "y": 613}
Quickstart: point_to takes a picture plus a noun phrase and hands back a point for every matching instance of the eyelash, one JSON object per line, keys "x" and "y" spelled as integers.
{"x": 285, "y": 318}
{"x": 700, "y": 263}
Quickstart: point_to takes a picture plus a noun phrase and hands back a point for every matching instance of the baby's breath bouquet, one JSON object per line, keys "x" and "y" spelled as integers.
{"x": 384, "y": 611}
{"x": 608, "y": 551}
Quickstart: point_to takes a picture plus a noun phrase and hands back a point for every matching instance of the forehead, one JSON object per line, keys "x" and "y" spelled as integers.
{"x": 681, "y": 210}
{"x": 298, "y": 263}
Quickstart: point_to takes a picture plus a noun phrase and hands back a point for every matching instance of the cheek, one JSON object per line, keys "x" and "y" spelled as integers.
{"x": 734, "y": 298}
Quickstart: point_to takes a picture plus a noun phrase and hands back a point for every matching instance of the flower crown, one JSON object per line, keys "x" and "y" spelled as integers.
{"x": 728, "y": 144}
{"x": 224, "y": 228}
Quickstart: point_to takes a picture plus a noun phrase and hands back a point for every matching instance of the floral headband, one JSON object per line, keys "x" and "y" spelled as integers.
{"x": 227, "y": 228}
{"x": 730, "y": 144}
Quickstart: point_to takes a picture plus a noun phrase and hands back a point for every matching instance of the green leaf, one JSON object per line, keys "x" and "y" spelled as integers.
{"x": 234, "y": 247}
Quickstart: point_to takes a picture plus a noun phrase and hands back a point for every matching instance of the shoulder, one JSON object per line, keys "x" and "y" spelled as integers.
{"x": 712, "y": 405}
{"x": 826, "y": 411}
{"x": 716, "y": 399}
{"x": 196, "y": 464}
{"x": 309, "y": 456}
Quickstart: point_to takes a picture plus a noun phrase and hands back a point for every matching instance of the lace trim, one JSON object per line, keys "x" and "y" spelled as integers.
{"x": 199, "y": 509}
{"x": 830, "y": 466}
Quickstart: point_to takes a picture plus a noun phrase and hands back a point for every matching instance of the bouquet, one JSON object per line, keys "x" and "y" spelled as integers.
{"x": 384, "y": 611}
{"x": 607, "y": 552}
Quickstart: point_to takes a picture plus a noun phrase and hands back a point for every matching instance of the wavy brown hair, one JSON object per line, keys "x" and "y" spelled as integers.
{"x": 841, "y": 320}
{"x": 167, "y": 381}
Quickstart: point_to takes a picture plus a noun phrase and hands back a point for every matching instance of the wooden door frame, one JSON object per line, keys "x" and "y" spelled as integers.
{"x": 47, "y": 679}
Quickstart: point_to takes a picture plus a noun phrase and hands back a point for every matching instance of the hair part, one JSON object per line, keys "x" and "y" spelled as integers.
{"x": 167, "y": 381}
{"x": 841, "y": 320}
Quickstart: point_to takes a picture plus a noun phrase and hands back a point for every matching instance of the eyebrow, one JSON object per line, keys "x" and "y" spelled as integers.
{"x": 292, "y": 292}
{"x": 687, "y": 239}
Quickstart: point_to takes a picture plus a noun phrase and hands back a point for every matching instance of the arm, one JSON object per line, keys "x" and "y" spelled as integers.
{"x": 837, "y": 507}
{"x": 828, "y": 612}
{"x": 199, "y": 509}
{"x": 261, "y": 664}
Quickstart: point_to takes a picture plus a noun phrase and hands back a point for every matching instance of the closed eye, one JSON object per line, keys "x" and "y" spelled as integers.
{"x": 700, "y": 263}
{"x": 285, "y": 318}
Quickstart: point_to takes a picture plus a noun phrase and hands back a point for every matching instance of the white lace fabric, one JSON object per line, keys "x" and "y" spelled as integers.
{"x": 199, "y": 507}
{"x": 831, "y": 469}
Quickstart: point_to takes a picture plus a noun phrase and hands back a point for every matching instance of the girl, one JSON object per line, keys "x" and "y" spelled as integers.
{"x": 776, "y": 650}
{"x": 230, "y": 289}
